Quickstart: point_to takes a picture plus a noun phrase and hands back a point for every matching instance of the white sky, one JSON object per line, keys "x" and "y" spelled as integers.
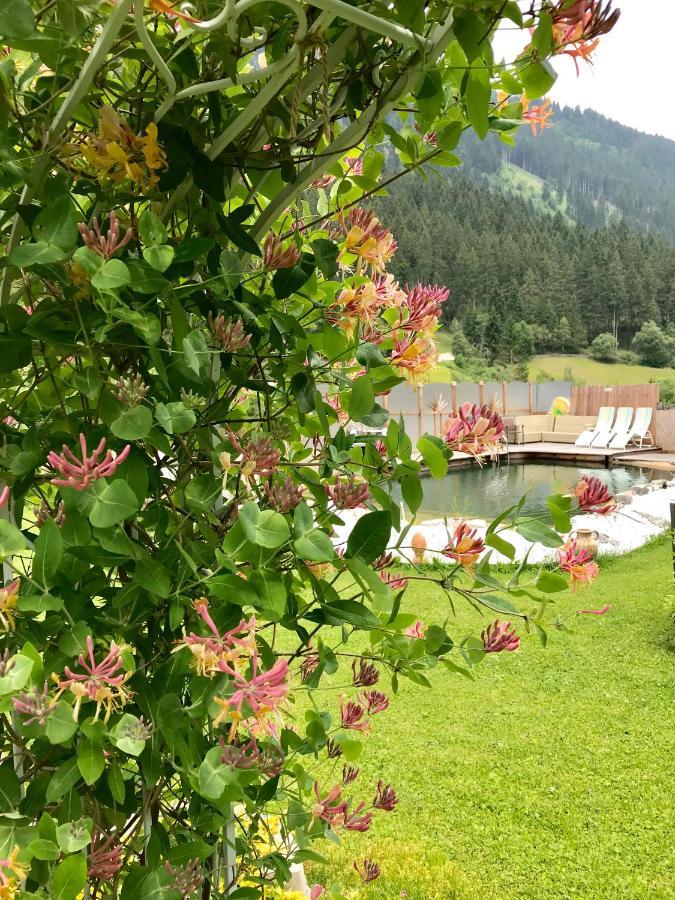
{"x": 630, "y": 80}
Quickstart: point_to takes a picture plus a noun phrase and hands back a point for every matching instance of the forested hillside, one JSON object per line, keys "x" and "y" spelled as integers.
{"x": 583, "y": 252}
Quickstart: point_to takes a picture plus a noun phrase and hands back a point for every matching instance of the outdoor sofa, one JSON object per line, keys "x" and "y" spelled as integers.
{"x": 554, "y": 429}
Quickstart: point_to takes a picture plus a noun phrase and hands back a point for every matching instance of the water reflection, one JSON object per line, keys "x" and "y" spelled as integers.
{"x": 484, "y": 493}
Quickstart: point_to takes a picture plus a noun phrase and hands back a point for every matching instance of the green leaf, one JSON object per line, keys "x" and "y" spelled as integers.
{"x": 57, "y": 224}
{"x": 264, "y": 529}
{"x": 159, "y": 256}
{"x": 433, "y": 457}
{"x": 133, "y": 424}
{"x": 413, "y": 494}
{"x": 43, "y": 849}
{"x": 192, "y": 248}
{"x": 370, "y": 536}
{"x": 11, "y": 540}
{"x": 538, "y": 533}
{"x": 144, "y": 279}
{"x": 124, "y": 736}
{"x": 151, "y": 229}
{"x": 114, "y": 502}
{"x": 69, "y": 878}
{"x": 116, "y": 782}
{"x": 196, "y": 353}
{"x": 560, "y": 506}
{"x": 470, "y": 30}
{"x": 61, "y": 725}
{"x": 175, "y": 418}
{"x": 538, "y": 78}
{"x": 504, "y": 547}
{"x": 90, "y": 760}
{"x": 112, "y": 276}
{"x": 10, "y": 788}
{"x": 240, "y": 237}
{"x": 17, "y": 674}
{"x": 66, "y": 776}
{"x": 271, "y": 592}
{"x": 16, "y": 19}
{"x": 214, "y": 777}
{"x": 315, "y": 546}
{"x": 287, "y": 281}
{"x": 230, "y": 267}
{"x": 551, "y": 583}
{"x": 477, "y": 96}
{"x": 153, "y": 577}
{"x": 25, "y": 256}
{"x": 326, "y": 253}
{"x": 90, "y": 261}
{"x": 361, "y": 398}
{"x": 74, "y": 836}
{"x": 48, "y": 553}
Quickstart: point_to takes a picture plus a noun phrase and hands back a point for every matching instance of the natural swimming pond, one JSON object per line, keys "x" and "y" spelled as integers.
{"x": 485, "y": 492}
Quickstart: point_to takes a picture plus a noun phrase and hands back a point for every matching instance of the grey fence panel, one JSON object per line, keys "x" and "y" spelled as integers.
{"x": 467, "y": 393}
{"x": 493, "y": 392}
{"x": 547, "y": 391}
{"x": 519, "y": 397}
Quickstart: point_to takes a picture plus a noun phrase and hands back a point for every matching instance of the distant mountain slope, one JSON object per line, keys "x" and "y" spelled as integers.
{"x": 592, "y": 169}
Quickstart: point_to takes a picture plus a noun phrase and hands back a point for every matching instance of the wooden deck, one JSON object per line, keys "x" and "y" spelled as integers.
{"x": 570, "y": 453}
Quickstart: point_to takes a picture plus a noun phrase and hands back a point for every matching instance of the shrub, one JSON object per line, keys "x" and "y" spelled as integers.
{"x": 605, "y": 348}
{"x": 652, "y": 346}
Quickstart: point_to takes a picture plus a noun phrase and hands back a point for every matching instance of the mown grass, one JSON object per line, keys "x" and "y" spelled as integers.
{"x": 590, "y": 371}
{"x": 550, "y": 775}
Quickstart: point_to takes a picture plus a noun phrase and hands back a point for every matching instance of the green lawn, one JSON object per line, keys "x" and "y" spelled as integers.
{"x": 549, "y": 776}
{"x": 593, "y": 372}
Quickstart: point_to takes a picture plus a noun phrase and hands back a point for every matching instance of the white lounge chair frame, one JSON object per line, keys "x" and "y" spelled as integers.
{"x": 640, "y": 429}
{"x": 603, "y": 423}
{"x": 621, "y": 426}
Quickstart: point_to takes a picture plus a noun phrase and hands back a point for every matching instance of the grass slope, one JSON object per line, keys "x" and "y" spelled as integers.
{"x": 593, "y": 372}
{"x": 549, "y": 776}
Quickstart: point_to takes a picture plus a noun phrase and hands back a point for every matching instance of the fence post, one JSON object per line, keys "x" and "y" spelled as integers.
{"x": 530, "y": 397}
{"x": 420, "y": 408}
{"x": 505, "y": 397}
{"x": 453, "y": 388}
{"x": 672, "y": 532}
{"x": 481, "y": 393}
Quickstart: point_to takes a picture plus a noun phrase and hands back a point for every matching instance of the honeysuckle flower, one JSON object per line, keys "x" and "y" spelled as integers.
{"x": 578, "y": 563}
{"x": 9, "y": 594}
{"x": 358, "y": 820}
{"x": 259, "y": 456}
{"x": 81, "y": 474}
{"x": 354, "y": 165}
{"x": 209, "y": 650}
{"x": 105, "y": 857}
{"x": 374, "y": 701}
{"x": 186, "y": 879}
{"x": 228, "y": 333}
{"x": 500, "y": 636}
{"x": 276, "y": 256}
{"x": 422, "y": 307}
{"x": 383, "y": 561}
{"x": 577, "y": 27}
{"x": 388, "y": 292}
{"x": 106, "y": 245}
{"x": 465, "y": 547}
{"x": 334, "y": 402}
{"x": 594, "y": 612}
{"x": 331, "y": 808}
{"x": 256, "y": 696}
{"x": 385, "y": 797}
{"x": 167, "y": 9}
{"x": 131, "y": 391}
{"x": 393, "y": 581}
{"x": 116, "y": 154}
{"x": 355, "y": 306}
{"x": 364, "y": 673}
{"x": 12, "y": 872}
{"x": 417, "y": 630}
{"x": 284, "y": 497}
{"x": 353, "y": 715}
{"x": 369, "y": 871}
{"x": 537, "y": 116}
{"x": 349, "y": 494}
{"x": 474, "y": 429}
{"x": 333, "y": 749}
{"x": 101, "y": 683}
{"x": 593, "y": 496}
{"x": 316, "y": 891}
{"x": 4, "y": 496}
{"x": 367, "y": 239}
{"x": 416, "y": 355}
{"x": 36, "y": 705}
{"x": 349, "y": 774}
{"x": 323, "y": 181}
{"x": 309, "y": 665}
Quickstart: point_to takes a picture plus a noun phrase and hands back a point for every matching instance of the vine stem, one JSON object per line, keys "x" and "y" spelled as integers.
{"x": 91, "y": 66}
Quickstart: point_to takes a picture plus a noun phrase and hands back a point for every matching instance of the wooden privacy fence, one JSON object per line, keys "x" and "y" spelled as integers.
{"x": 587, "y": 399}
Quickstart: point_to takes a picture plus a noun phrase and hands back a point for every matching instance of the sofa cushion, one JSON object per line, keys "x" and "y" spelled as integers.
{"x": 531, "y": 437}
{"x": 573, "y": 424}
{"x": 534, "y": 423}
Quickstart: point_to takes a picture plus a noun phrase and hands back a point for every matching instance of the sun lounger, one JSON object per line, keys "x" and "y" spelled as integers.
{"x": 603, "y": 424}
{"x": 640, "y": 429}
{"x": 620, "y": 429}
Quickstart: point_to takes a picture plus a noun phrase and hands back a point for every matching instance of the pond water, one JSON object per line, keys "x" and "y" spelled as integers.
{"x": 484, "y": 493}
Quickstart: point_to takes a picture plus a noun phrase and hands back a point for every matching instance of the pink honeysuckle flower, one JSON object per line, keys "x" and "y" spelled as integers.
{"x": 422, "y": 306}
{"x": 284, "y": 497}
{"x": 354, "y": 165}
{"x": 12, "y": 872}
{"x": 316, "y": 891}
{"x": 258, "y": 696}
{"x": 259, "y": 456}
{"x": 334, "y": 402}
{"x": 349, "y": 494}
{"x": 105, "y": 245}
{"x": 81, "y": 474}
{"x": 9, "y": 594}
{"x": 368, "y": 872}
{"x": 383, "y": 561}
{"x": 36, "y": 705}
{"x": 105, "y": 857}
{"x": 417, "y": 630}
{"x": 349, "y": 774}
{"x": 416, "y": 354}
{"x": 367, "y": 239}
{"x": 276, "y": 256}
{"x": 374, "y": 701}
{"x": 474, "y": 429}
{"x": 209, "y": 650}
{"x": 593, "y": 496}
{"x": 331, "y": 808}
{"x": 394, "y": 582}
{"x": 333, "y": 749}
{"x": 228, "y": 333}
{"x": 186, "y": 879}
{"x": 4, "y": 496}
{"x": 594, "y": 612}
{"x": 358, "y": 820}
{"x": 353, "y": 715}
{"x": 101, "y": 683}
{"x": 500, "y": 636}
{"x": 385, "y": 797}
{"x": 323, "y": 181}
{"x": 310, "y": 663}
{"x": 364, "y": 673}
{"x": 465, "y": 547}
{"x": 578, "y": 563}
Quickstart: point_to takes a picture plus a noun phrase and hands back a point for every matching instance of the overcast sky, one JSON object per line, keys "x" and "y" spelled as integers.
{"x": 630, "y": 80}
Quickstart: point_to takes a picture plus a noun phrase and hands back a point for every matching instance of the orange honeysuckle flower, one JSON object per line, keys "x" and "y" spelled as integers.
{"x": 162, "y": 6}
{"x": 537, "y": 116}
